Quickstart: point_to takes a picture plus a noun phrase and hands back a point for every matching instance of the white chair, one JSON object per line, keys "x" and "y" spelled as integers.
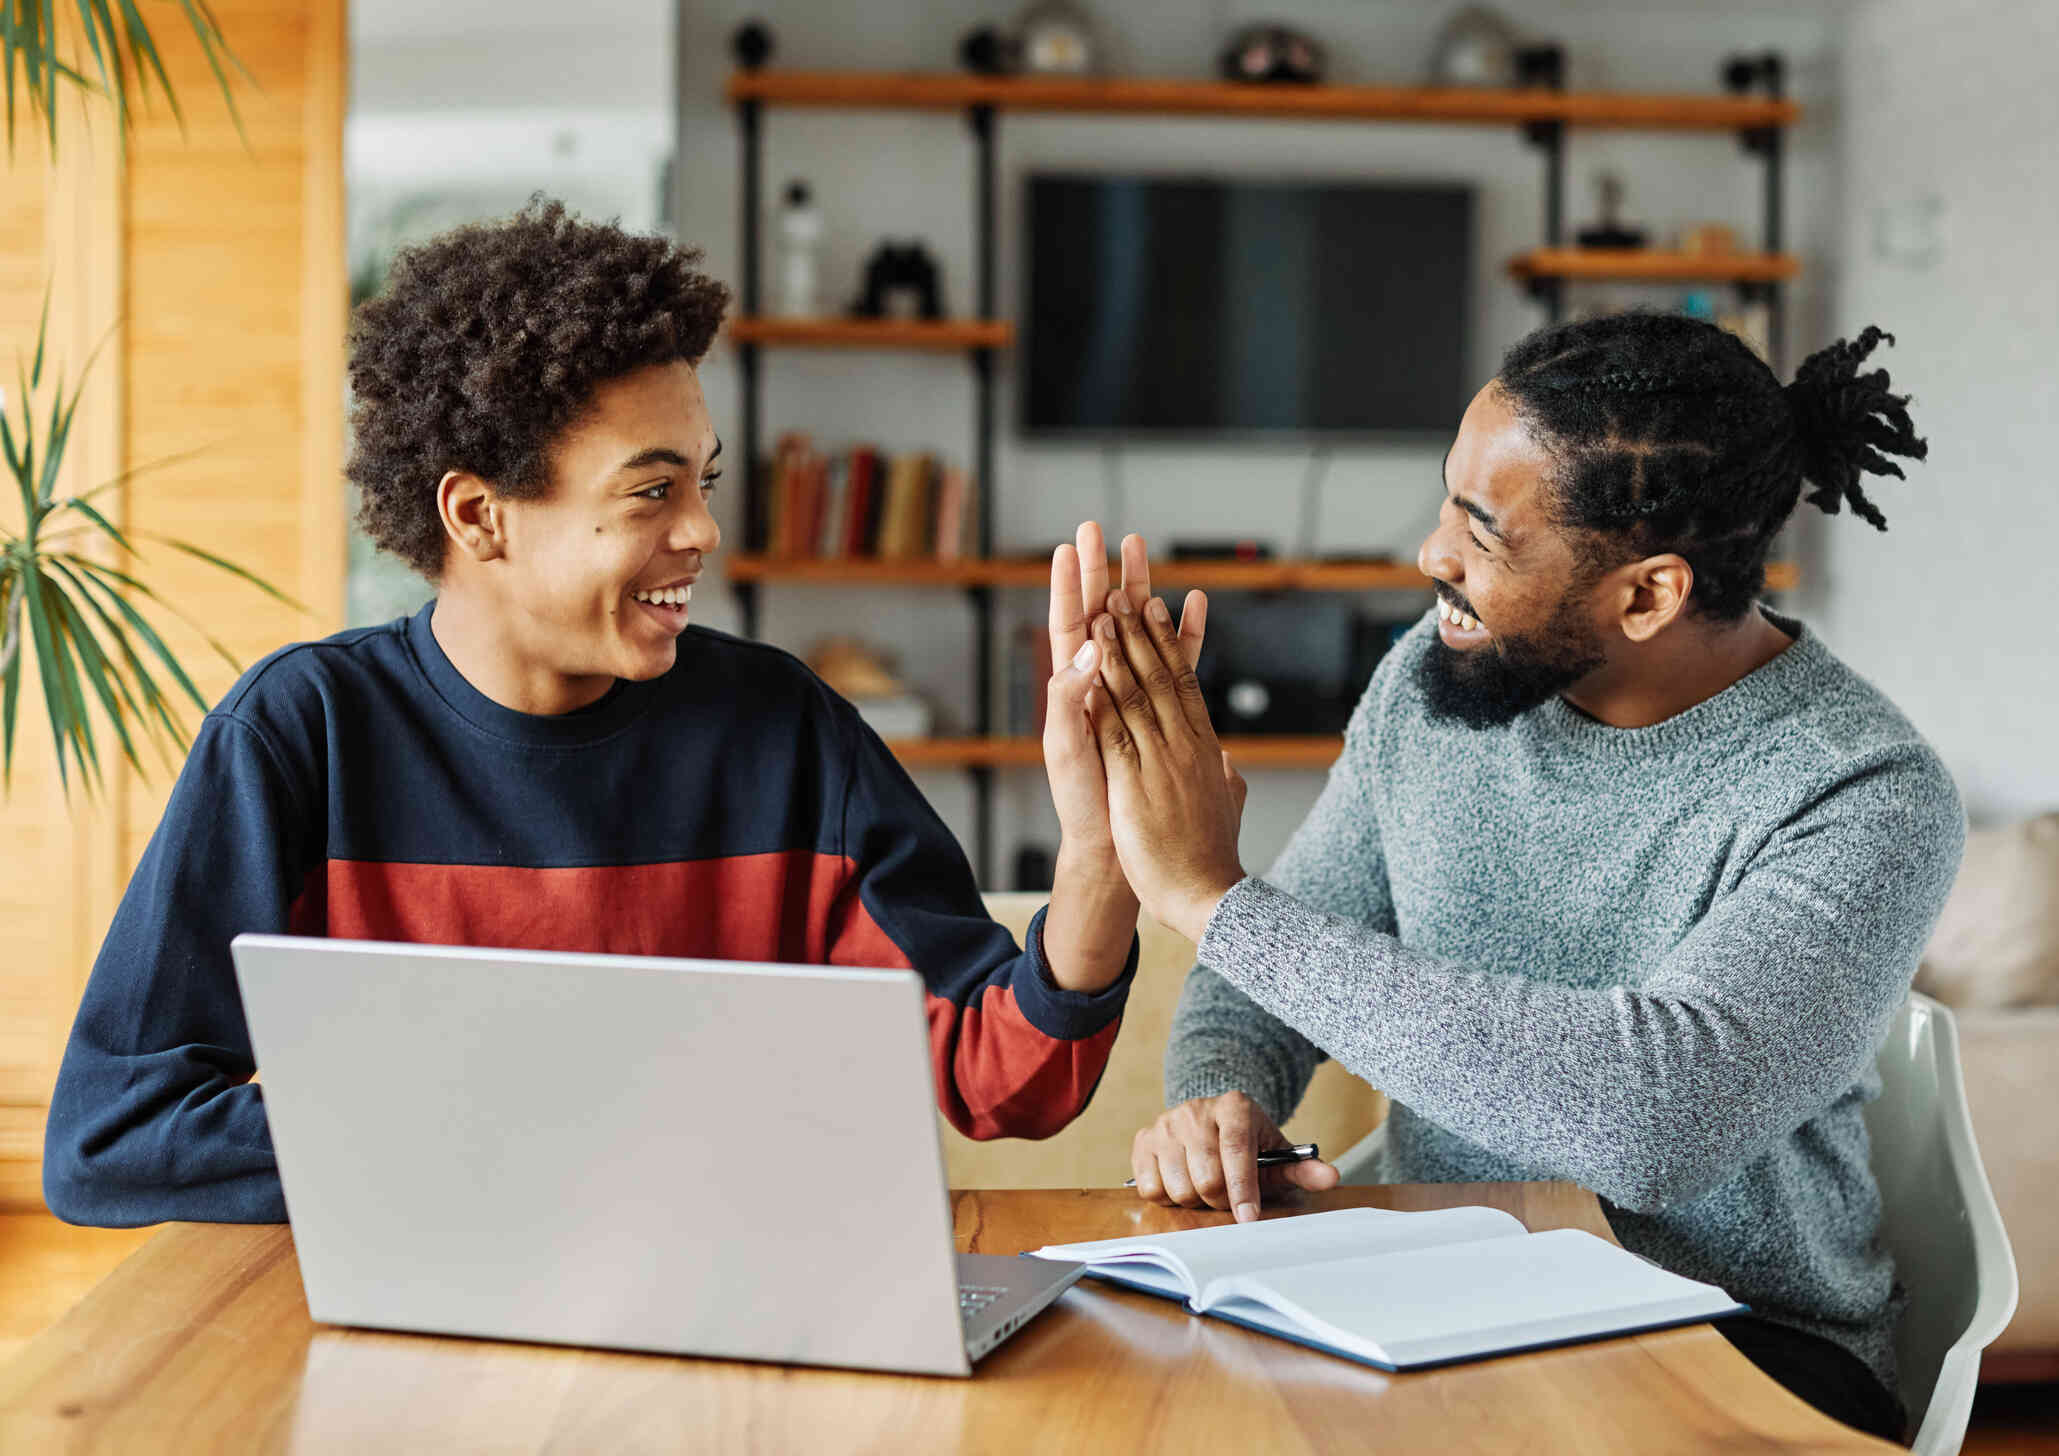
{"x": 1939, "y": 1220}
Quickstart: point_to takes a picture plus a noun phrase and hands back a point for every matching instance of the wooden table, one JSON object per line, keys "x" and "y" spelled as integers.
{"x": 201, "y": 1342}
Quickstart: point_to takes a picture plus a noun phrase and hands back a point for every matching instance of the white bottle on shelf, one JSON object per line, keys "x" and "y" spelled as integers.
{"x": 800, "y": 249}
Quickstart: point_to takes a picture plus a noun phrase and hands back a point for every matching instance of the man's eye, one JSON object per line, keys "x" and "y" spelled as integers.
{"x": 708, "y": 484}
{"x": 1475, "y": 537}
{"x": 657, "y": 491}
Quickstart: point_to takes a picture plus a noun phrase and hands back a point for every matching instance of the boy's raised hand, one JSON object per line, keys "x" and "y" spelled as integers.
{"x": 1079, "y": 594}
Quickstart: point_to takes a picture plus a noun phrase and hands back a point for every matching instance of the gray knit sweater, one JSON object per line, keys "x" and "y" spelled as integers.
{"x": 1656, "y": 961}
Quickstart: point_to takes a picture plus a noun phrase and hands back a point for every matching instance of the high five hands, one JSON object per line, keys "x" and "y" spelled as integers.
{"x": 1174, "y": 801}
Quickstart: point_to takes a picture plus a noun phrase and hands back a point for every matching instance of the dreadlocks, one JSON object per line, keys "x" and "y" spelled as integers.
{"x": 1670, "y": 434}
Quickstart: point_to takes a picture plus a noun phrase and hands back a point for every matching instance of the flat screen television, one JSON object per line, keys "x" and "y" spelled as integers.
{"x": 1182, "y": 306}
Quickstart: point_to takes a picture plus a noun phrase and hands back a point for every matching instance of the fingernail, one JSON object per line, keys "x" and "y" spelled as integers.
{"x": 1084, "y": 658}
{"x": 1247, "y": 1213}
{"x": 1157, "y": 612}
{"x": 1105, "y": 630}
{"x": 1122, "y": 603}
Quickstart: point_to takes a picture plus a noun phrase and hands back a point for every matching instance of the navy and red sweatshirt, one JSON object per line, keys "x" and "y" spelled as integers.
{"x": 360, "y": 787}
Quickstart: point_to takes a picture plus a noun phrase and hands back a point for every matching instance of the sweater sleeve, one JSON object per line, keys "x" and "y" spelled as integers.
{"x": 154, "y": 1115}
{"x": 1768, "y": 1010}
{"x": 1222, "y": 1040}
{"x": 1013, "y": 1053}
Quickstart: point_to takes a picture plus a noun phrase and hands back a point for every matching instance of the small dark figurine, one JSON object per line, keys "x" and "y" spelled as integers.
{"x": 1272, "y": 53}
{"x": 1611, "y": 231}
{"x": 900, "y": 282}
{"x": 989, "y": 51}
{"x": 751, "y": 44}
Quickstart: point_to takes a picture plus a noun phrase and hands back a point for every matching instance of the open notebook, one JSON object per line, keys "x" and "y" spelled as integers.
{"x": 1402, "y": 1291}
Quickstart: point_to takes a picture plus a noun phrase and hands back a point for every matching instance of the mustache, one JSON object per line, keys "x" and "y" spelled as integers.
{"x": 1452, "y": 598}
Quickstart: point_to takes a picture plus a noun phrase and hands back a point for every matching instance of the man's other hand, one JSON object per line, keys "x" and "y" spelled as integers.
{"x": 1205, "y": 1153}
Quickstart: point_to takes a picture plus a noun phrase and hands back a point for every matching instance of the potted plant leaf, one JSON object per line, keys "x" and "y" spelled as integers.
{"x": 70, "y": 589}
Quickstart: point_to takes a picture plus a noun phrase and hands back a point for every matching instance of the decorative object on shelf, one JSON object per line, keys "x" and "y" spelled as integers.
{"x": 990, "y": 51}
{"x": 1281, "y": 664}
{"x": 1706, "y": 239}
{"x": 1056, "y": 39}
{"x": 1765, "y": 72}
{"x": 1244, "y": 548}
{"x": 1476, "y": 47}
{"x": 751, "y": 44}
{"x": 1273, "y": 53}
{"x": 864, "y": 675}
{"x": 1610, "y": 232}
{"x": 800, "y": 252}
{"x": 1541, "y": 66}
{"x": 900, "y": 282}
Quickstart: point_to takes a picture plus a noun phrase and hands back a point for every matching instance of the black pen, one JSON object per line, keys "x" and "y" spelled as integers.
{"x": 1270, "y": 1158}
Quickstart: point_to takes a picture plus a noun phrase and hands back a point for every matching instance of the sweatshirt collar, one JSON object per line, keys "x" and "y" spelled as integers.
{"x": 622, "y": 702}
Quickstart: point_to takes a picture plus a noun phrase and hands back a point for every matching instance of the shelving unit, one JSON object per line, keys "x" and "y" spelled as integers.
{"x": 1649, "y": 265}
{"x": 1035, "y": 571}
{"x": 945, "y": 335}
{"x": 1314, "y": 750}
{"x": 1543, "y": 114}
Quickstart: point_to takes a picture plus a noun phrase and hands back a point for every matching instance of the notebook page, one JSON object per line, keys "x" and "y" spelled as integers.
{"x": 1207, "y": 1254}
{"x": 1445, "y": 1303}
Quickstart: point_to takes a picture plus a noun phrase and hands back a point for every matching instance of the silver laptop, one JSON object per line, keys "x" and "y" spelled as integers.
{"x": 695, "y": 1157}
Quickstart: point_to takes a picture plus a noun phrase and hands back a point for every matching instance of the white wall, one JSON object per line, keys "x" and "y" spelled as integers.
{"x": 1950, "y": 164}
{"x": 880, "y": 174}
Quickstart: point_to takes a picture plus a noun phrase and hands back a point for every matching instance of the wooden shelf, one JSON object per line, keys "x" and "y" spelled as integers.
{"x": 1652, "y": 265}
{"x": 948, "y": 91}
{"x": 862, "y": 333}
{"x": 1035, "y": 571}
{"x": 1246, "y": 751}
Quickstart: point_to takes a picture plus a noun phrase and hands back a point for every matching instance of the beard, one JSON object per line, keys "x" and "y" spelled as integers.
{"x": 1513, "y": 673}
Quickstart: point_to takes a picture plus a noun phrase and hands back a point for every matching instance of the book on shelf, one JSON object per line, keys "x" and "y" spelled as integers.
{"x": 861, "y": 503}
{"x": 1403, "y": 1291}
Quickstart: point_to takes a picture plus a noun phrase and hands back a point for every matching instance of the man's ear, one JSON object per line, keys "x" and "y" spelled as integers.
{"x": 471, "y": 515}
{"x": 1655, "y": 595}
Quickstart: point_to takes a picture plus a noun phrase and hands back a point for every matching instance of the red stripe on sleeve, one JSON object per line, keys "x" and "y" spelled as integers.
{"x": 996, "y": 1074}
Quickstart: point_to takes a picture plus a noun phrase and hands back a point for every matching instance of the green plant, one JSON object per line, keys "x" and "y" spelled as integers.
{"x": 86, "y": 631}
{"x": 119, "y": 40}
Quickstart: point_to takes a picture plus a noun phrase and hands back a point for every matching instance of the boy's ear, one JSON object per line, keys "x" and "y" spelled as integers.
{"x": 471, "y": 515}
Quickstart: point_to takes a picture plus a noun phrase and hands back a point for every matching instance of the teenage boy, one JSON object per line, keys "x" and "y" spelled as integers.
{"x": 548, "y": 757}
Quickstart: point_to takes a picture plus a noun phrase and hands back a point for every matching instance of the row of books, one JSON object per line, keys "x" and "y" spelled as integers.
{"x": 862, "y": 502}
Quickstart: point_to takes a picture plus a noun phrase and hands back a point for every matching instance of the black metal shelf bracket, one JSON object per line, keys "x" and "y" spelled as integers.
{"x": 1765, "y": 73}
{"x": 1545, "y": 66}
{"x": 981, "y": 119}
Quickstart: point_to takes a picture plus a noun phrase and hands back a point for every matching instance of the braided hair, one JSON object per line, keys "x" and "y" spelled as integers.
{"x": 1670, "y": 434}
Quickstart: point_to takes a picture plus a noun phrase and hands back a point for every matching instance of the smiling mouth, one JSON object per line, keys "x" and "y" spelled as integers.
{"x": 671, "y": 598}
{"x": 1454, "y": 617}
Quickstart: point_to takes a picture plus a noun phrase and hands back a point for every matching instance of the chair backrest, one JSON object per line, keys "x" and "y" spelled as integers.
{"x": 1939, "y": 1220}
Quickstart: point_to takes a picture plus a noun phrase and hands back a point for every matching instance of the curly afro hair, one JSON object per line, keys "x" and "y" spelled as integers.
{"x": 487, "y": 343}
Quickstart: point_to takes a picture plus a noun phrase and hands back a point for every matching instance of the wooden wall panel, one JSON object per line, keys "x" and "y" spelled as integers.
{"x": 225, "y": 260}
